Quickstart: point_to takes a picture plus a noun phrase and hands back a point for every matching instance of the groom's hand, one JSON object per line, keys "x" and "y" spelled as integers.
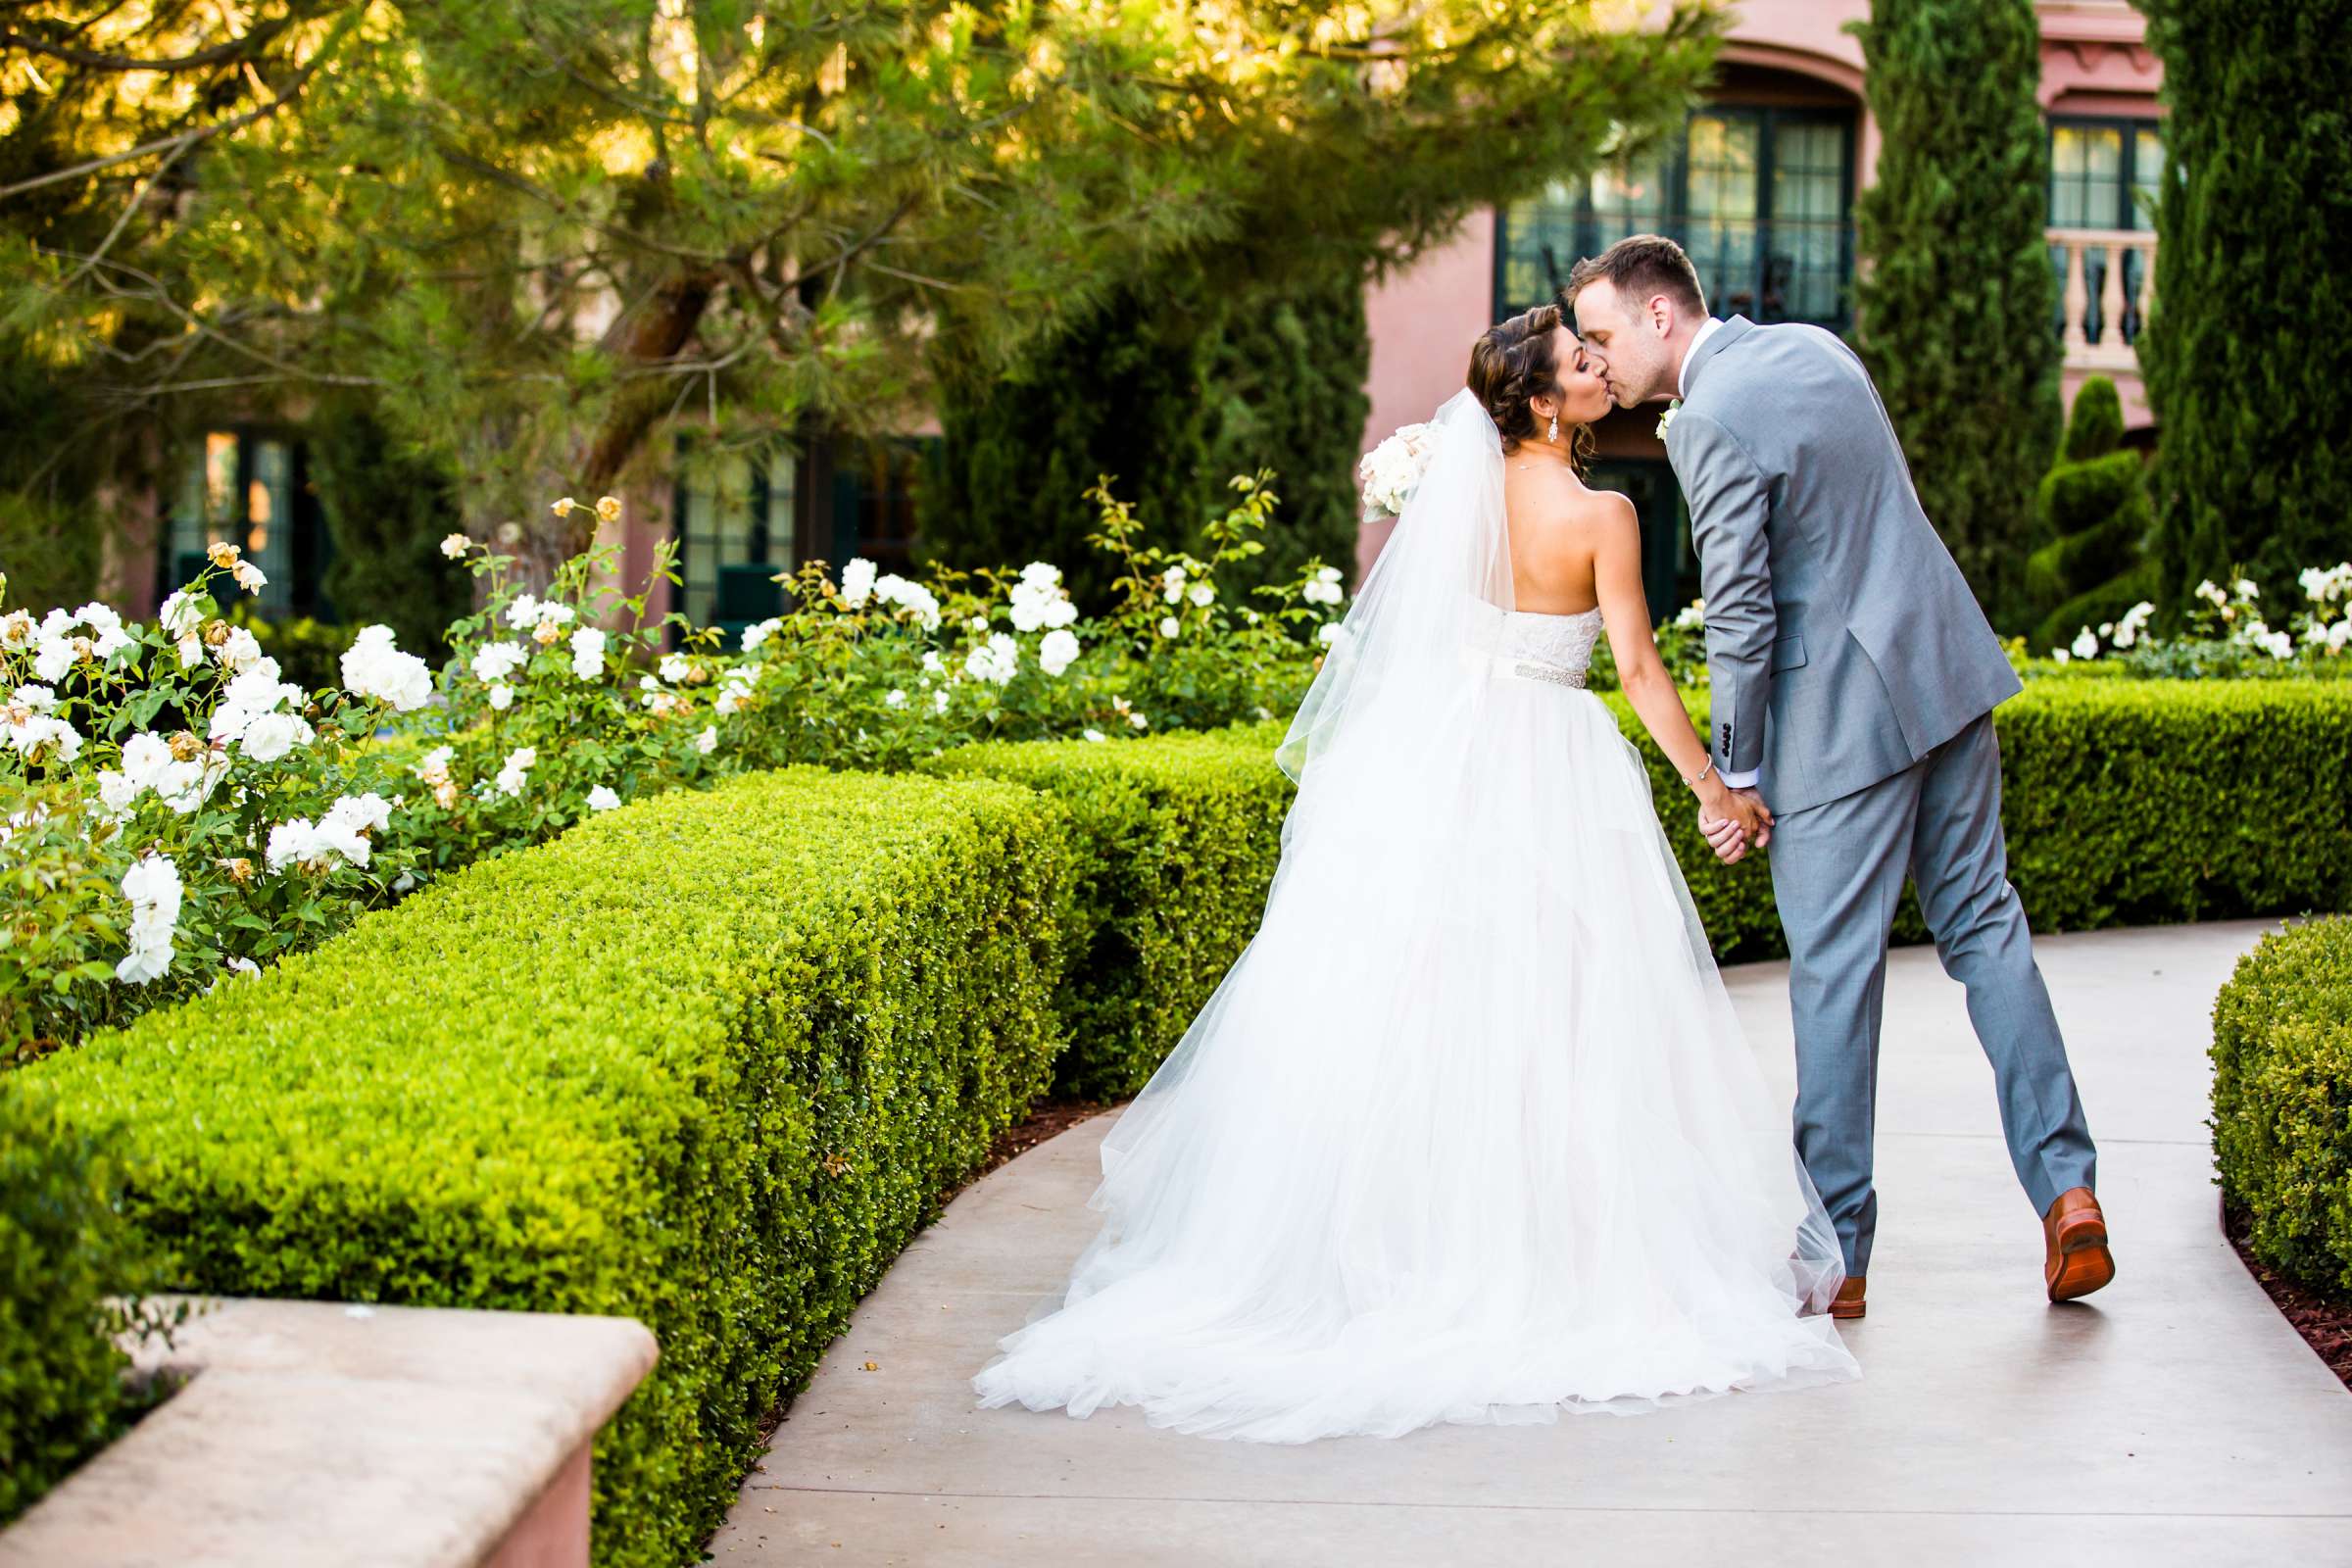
{"x": 1746, "y": 823}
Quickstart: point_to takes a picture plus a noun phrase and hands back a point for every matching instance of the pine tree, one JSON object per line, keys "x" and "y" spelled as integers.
{"x": 1954, "y": 296}
{"x": 2245, "y": 356}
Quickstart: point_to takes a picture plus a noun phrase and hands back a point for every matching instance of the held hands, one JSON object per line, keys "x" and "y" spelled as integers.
{"x": 1734, "y": 821}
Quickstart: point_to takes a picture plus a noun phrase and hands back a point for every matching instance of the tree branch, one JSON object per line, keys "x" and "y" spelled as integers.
{"x": 181, "y": 143}
{"x": 260, "y": 35}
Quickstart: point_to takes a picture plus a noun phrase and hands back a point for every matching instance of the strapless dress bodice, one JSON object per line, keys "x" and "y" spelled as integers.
{"x": 1562, "y": 641}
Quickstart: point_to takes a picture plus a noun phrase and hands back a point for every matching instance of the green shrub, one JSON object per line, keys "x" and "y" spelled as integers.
{"x": 2282, "y": 1100}
{"x": 2126, "y": 802}
{"x": 2092, "y": 511}
{"x": 61, "y": 1395}
{"x": 706, "y": 1061}
{"x": 2133, "y": 803}
{"x": 1177, "y": 837}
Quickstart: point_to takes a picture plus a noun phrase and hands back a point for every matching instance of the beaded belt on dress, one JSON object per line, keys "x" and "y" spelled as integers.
{"x": 1537, "y": 669}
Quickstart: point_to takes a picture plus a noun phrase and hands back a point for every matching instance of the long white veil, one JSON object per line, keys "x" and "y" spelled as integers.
{"x": 1417, "y": 642}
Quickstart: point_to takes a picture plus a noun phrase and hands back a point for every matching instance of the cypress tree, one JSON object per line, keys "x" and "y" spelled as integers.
{"x": 1954, "y": 296}
{"x": 2245, "y": 356}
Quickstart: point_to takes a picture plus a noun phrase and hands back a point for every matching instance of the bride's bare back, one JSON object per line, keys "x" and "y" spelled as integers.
{"x": 1559, "y": 529}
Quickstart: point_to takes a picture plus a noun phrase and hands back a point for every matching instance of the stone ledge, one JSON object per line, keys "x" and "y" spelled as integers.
{"x": 382, "y": 1437}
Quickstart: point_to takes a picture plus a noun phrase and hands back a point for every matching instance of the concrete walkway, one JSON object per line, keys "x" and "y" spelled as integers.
{"x": 2173, "y": 1418}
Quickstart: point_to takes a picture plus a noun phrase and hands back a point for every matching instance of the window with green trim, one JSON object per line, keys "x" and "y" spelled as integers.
{"x": 242, "y": 487}
{"x": 1761, "y": 197}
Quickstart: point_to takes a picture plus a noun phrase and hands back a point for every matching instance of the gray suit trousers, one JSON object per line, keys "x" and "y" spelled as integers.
{"x": 1838, "y": 872}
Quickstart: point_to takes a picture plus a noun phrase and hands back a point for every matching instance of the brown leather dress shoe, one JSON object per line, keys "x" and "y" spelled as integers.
{"x": 1848, "y": 1302}
{"x": 2075, "y": 1232}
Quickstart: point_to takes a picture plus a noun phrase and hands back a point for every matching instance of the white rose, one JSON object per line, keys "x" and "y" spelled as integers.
{"x": 1058, "y": 652}
{"x": 1170, "y": 626}
{"x": 588, "y": 653}
{"x": 858, "y": 582}
{"x": 272, "y": 735}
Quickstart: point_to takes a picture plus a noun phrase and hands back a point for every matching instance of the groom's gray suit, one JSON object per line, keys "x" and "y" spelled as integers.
{"x": 1850, "y": 662}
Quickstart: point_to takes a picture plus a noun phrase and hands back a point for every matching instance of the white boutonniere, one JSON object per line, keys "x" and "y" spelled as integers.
{"x": 1667, "y": 418}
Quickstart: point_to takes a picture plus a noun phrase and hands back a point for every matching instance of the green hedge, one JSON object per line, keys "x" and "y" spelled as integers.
{"x": 1177, "y": 837}
{"x": 708, "y": 1060}
{"x": 2282, "y": 1100}
{"x": 61, "y": 1395}
{"x": 2126, "y": 802}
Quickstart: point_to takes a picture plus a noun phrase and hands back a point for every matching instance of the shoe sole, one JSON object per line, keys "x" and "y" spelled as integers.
{"x": 1847, "y": 1310}
{"x": 2085, "y": 1264}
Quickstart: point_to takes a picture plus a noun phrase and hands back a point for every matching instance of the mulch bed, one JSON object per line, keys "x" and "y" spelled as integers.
{"x": 2326, "y": 1324}
{"x": 1044, "y": 1122}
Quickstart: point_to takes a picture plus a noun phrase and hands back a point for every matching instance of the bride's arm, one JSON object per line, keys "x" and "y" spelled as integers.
{"x": 1625, "y": 612}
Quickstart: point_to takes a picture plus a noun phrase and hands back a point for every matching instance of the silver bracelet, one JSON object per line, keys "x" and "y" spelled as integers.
{"x": 1700, "y": 777}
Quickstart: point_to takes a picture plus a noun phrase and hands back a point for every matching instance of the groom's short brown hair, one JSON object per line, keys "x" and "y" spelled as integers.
{"x": 1638, "y": 266}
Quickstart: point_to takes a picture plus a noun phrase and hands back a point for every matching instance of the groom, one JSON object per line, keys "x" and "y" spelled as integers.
{"x": 1854, "y": 679}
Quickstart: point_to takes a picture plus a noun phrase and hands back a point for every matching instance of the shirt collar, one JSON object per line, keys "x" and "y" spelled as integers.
{"x": 1682, "y": 375}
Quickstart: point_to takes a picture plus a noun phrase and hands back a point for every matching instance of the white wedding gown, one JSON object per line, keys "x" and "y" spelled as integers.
{"x": 1470, "y": 1132}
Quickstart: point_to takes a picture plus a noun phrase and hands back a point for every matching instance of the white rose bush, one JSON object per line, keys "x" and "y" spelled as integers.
{"x": 174, "y": 813}
{"x": 155, "y": 785}
{"x": 2226, "y": 633}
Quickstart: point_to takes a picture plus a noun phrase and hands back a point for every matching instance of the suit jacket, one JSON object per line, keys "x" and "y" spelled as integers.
{"x": 1842, "y": 642}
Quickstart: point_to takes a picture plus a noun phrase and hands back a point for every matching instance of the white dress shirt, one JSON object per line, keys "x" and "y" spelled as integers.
{"x": 1682, "y": 371}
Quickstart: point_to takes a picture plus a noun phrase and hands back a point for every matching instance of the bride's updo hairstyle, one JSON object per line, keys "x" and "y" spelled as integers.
{"x": 1511, "y": 366}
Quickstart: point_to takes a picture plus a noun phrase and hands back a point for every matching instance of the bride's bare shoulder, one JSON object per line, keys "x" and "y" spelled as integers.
{"x": 1574, "y": 512}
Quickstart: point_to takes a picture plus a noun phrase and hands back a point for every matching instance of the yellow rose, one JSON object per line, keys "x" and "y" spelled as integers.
{"x": 609, "y": 507}
{"x": 223, "y": 553}
{"x": 563, "y": 507}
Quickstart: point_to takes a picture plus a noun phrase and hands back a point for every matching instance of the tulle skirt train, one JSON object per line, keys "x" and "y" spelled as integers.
{"x": 1469, "y": 1134}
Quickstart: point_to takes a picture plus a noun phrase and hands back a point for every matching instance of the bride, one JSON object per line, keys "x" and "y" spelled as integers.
{"x": 1469, "y": 1133}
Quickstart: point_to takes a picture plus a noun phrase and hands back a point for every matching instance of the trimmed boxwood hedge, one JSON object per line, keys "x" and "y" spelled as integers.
{"x": 2126, "y": 802}
{"x": 61, "y": 1395}
{"x": 2282, "y": 1100}
{"x": 706, "y": 1061}
{"x": 1177, "y": 837}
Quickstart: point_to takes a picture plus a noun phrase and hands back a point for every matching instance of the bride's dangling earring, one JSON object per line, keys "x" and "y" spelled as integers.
{"x": 1555, "y": 427}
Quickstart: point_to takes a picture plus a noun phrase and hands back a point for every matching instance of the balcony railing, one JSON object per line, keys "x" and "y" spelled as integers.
{"x": 2106, "y": 285}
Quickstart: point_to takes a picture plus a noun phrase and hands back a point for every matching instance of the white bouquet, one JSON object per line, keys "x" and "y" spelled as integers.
{"x": 1392, "y": 470}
